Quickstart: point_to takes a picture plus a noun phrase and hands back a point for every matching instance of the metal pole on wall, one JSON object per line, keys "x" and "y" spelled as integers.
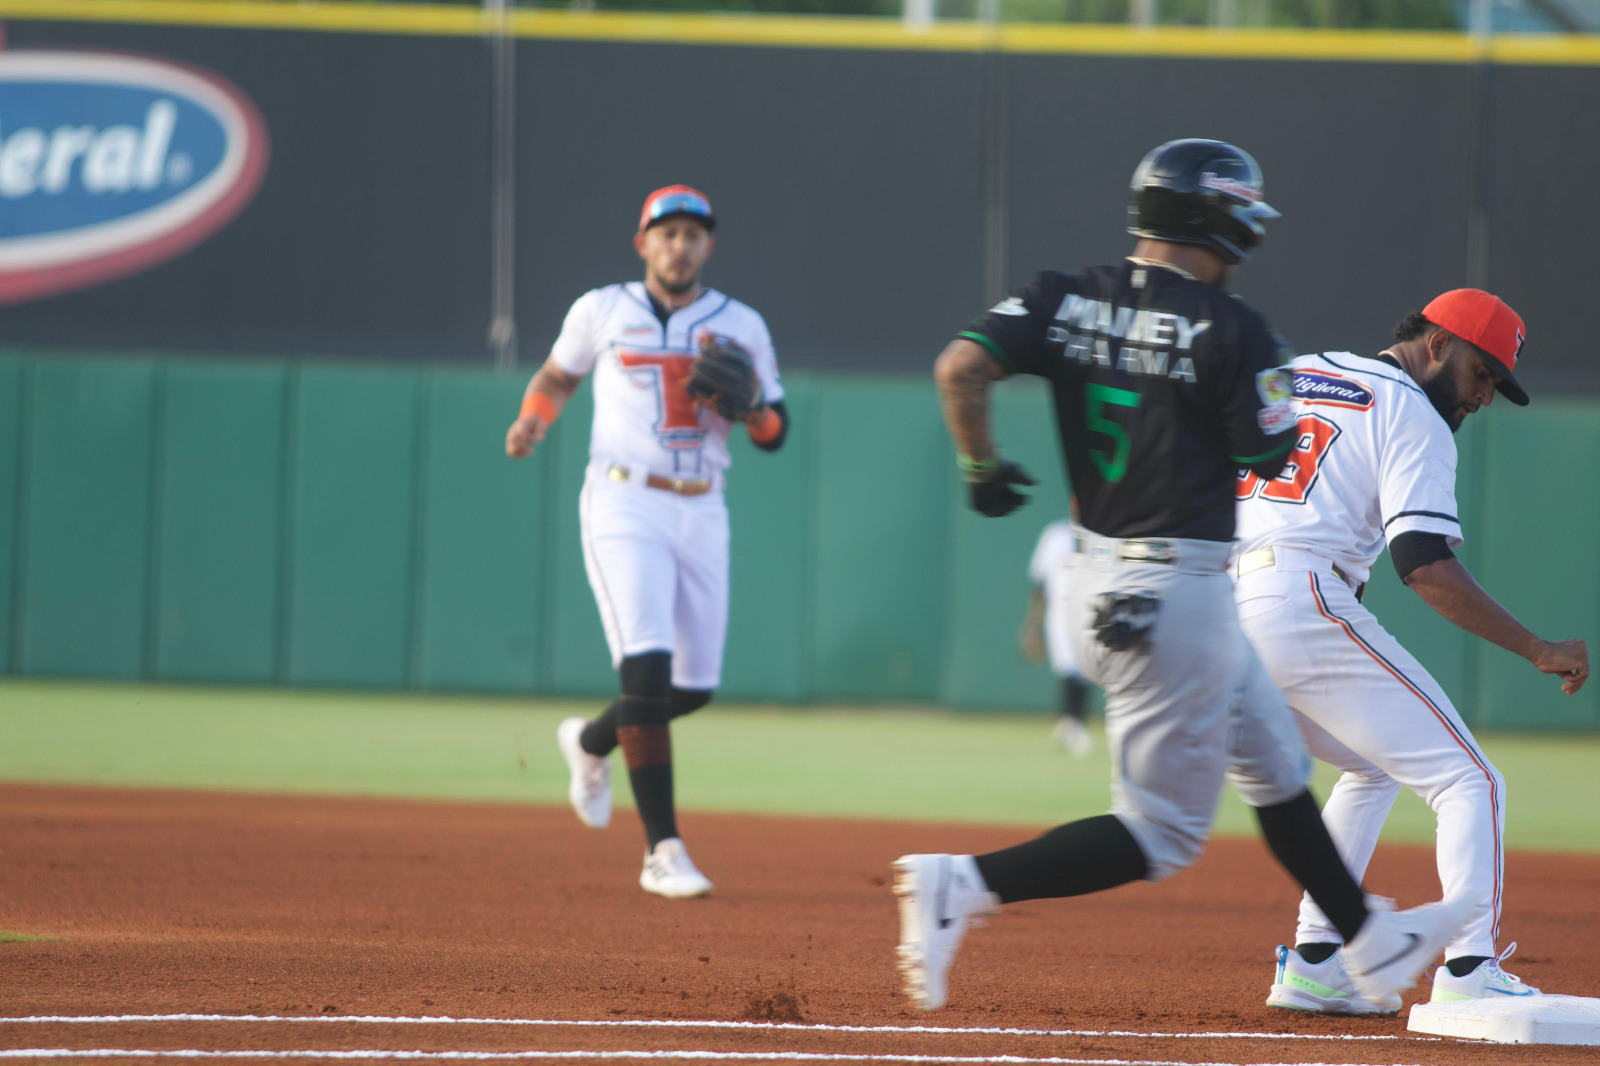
{"x": 918, "y": 15}
{"x": 993, "y": 117}
{"x": 1481, "y": 27}
{"x": 503, "y": 191}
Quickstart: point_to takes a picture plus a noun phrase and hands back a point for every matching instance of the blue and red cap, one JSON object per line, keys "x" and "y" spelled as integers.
{"x": 676, "y": 200}
{"x": 1486, "y": 321}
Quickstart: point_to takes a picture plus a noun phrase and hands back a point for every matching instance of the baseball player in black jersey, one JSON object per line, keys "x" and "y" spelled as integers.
{"x": 1164, "y": 387}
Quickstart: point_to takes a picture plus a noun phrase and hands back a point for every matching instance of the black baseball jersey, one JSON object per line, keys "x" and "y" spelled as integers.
{"x": 1164, "y": 387}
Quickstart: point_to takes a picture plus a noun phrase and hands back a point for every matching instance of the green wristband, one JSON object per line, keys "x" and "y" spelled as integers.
{"x": 977, "y": 469}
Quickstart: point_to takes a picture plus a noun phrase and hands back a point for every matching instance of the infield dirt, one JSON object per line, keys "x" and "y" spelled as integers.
{"x": 169, "y": 902}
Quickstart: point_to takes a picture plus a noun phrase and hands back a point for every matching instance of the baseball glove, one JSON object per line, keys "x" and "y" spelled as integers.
{"x": 724, "y": 378}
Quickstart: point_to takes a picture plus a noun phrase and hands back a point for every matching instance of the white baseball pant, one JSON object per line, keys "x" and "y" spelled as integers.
{"x": 658, "y": 564}
{"x": 1058, "y": 635}
{"x": 1368, "y": 708}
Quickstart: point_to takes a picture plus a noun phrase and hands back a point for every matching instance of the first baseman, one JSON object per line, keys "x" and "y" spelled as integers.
{"x": 1375, "y": 464}
{"x": 1164, "y": 387}
{"x": 655, "y": 528}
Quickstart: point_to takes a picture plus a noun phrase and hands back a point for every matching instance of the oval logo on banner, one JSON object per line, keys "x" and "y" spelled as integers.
{"x": 112, "y": 163}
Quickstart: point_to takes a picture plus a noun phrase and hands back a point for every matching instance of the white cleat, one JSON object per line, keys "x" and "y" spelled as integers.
{"x": 1322, "y": 987}
{"x": 1394, "y": 946}
{"x": 590, "y": 791}
{"x": 668, "y": 871}
{"x": 1488, "y": 981}
{"x": 1074, "y": 736}
{"x": 939, "y": 894}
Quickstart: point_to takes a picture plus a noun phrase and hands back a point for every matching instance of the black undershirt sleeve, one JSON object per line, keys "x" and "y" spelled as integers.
{"x": 776, "y": 442}
{"x": 1414, "y": 549}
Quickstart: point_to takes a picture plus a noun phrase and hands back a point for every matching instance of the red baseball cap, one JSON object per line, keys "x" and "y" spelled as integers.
{"x": 676, "y": 200}
{"x": 1487, "y": 321}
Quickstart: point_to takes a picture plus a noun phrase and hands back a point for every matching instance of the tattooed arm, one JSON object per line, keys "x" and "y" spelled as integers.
{"x": 964, "y": 372}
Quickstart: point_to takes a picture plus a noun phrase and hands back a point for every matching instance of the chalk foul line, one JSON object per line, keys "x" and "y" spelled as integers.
{"x": 501, "y": 1056}
{"x": 673, "y": 1023}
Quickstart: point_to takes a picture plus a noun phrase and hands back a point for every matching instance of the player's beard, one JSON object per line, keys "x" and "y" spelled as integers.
{"x": 1445, "y": 397}
{"x": 678, "y": 288}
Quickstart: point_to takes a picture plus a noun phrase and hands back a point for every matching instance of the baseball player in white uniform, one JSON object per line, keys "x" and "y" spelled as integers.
{"x": 1375, "y": 464}
{"x": 1047, "y": 630}
{"x": 655, "y": 528}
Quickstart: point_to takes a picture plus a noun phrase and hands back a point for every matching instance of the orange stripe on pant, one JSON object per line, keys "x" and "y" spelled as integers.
{"x": 1494, "y": 792}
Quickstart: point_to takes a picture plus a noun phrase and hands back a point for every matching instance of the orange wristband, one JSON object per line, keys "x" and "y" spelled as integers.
{"x": 537, "y": 403}
{"x": 767, "y": 427}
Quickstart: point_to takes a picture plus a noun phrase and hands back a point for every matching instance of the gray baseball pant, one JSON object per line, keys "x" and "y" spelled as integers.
{"x": 1190, "y": 706}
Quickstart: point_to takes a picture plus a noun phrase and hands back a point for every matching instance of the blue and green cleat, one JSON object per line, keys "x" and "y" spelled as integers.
{"x": 1322, "y": 987}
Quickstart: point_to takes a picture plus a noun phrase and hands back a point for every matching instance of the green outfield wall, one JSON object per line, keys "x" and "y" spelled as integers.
{"x": 350, "y": 526}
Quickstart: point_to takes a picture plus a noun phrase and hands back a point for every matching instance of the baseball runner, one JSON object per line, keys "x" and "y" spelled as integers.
{"x": 1375, "y": 464}
{"x": 1164, "y": 386}
{"x": 1045, "y": 630}
{"x": 675, "y": 366}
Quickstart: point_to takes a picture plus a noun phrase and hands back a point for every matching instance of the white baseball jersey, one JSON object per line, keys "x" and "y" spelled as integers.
{"x": 1374, "y": 460}
{"x": 1048, "y": 569}
{"x": 643, "y": 416}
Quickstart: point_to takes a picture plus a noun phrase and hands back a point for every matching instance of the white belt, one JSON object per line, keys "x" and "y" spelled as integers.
{"x": 1292, "y": 559}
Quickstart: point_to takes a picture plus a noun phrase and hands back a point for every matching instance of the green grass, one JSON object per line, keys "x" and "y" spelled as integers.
{"x": 855, "y": 762}
{"x": 7, "y": 937}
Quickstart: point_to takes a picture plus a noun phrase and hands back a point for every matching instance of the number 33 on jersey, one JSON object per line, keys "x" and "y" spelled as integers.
{"x": 1367, "y": 433}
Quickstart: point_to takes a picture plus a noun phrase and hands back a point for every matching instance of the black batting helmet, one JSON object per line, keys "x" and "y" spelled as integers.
{"x": 1200, "y": 192}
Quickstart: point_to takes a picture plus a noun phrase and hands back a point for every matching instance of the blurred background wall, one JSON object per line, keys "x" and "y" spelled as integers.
{"x": 276, "y": 459}
{"x": 317, "y": 524}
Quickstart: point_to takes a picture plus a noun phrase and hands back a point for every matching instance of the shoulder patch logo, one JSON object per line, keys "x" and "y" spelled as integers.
{"x": 1331, "y": 390}
{"x": 1274, "y": 386}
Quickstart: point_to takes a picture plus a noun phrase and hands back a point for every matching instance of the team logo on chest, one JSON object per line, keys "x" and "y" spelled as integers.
{"x": 666, "y": 374}
{"x": 1331, "y": 390}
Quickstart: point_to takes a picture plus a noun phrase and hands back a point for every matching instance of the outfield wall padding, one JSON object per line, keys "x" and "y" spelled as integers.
{"x": 360, "y": 527}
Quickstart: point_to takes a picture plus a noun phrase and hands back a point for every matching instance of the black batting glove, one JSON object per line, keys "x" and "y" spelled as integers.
{"x": 991, "y": 491}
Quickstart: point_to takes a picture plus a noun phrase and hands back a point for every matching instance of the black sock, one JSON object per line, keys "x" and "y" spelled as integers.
{"x": 1075, "y": 698}
{"x": 1297, "y": 836}
{"x": 684, "y": 701}
{"x": 1070, "y": 860}
{"x": 647, "y": 747}
{"x": 599, "y": 736}
{"x": 1315, "y": 953}
{"x": 1465, "y": 964}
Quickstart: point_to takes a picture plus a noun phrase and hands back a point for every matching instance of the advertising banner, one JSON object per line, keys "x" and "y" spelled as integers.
{"x": 111, "y": 163}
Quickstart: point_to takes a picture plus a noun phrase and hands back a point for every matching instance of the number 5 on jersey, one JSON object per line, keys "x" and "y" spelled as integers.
{"x": 1112, "y": 463}
{"x": 1317, "y": 435}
